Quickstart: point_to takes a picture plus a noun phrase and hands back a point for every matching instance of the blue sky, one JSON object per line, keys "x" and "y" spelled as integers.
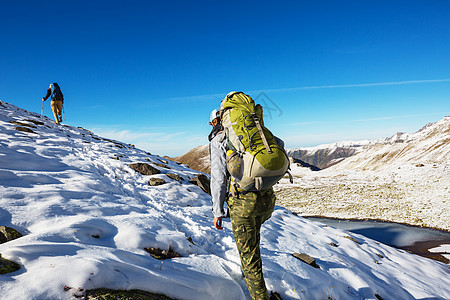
{"x": 150, "y": 72}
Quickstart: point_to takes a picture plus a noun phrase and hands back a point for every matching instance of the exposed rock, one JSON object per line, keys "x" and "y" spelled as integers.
{"x": 156, "y": 181}
{"x": 22, "y": 124}
{"x": 7, "y": 266}
{"x": 306, "y": 259}
{"x": 189, "y": 238}
{"x": 352, "y": 239}
{"x": 101, "y": 294}
{"x": 8, "y": 234}
{"x": 144, "y": 169}
{"x": 162, "y": 254}
{"x": 203, "y": 182}
{"x": 172, "y": 159}
{"x": 116, "y": 143}
{"x": 162, "y": 165}
{"x": 34, "y": 122}
{"x": 85, "y": 130}
{"x": 24, "y": 129}
{"x": 174, "y": 177}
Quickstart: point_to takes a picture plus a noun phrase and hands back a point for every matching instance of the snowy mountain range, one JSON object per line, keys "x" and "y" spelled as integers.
{"x": 90, "y": 219}
{"x": 430, "y": 143}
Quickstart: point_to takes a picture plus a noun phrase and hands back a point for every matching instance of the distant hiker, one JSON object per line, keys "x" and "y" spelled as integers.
{"x": 57, "y": 100}
{"x": 247, "y": 153}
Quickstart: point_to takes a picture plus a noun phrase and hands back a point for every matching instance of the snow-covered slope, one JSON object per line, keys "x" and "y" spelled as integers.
{"x": 86, "y": 217}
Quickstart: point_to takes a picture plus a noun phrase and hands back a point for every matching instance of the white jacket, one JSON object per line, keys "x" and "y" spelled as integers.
{"x": 219, "y": 175}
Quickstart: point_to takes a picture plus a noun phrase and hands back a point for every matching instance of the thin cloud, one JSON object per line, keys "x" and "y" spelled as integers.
{"x": 353, "y": 85}
{"x": 305, "y": 123}
{"x": 126, "y": 135}
{"x": 369, "y": 119}
{"x": 395, "y": 117}
{"x": 206, "y": 97}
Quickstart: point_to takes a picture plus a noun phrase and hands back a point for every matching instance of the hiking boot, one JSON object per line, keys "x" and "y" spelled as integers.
{"x": 274, "y": 296}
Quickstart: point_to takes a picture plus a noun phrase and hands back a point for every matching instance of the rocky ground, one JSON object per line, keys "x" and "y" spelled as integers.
{"x": 411, "y": 194}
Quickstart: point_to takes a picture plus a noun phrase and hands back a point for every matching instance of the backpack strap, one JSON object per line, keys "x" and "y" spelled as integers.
{"x": 261, "y": 132}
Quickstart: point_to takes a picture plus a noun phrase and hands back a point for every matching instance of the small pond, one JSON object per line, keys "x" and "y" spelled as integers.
{"x": 415, "y": 239}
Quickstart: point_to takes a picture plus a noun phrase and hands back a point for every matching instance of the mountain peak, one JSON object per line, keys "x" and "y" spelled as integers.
{"x": 428, "y": 143}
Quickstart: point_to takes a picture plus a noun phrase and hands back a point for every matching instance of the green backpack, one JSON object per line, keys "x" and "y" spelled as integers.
{"x": 255, "y": 161}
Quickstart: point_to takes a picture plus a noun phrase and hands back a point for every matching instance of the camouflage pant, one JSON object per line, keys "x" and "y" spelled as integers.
{"x": 248, "y": 212}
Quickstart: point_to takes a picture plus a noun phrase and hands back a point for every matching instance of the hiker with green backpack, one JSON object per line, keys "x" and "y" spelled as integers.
{"x": 246, "y": 161}
{"x": 57, "y": 101}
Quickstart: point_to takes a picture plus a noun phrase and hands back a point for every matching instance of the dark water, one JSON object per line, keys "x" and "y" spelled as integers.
{"x": 415, "y": 239}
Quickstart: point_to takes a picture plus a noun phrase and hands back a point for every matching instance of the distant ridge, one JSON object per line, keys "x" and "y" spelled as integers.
{"x": 429, "y": 145}
{"x": 197, "y": 159}
{"x": 322, "y": 158}
{"x": 327, "y": 155}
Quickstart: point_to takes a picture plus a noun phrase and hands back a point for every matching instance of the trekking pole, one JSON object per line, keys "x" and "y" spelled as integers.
{"x": 64, "y": 114}
{"x": 42, "y": 109}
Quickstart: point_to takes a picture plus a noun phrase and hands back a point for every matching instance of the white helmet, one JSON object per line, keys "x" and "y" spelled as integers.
{"x": 213, "y": 115}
